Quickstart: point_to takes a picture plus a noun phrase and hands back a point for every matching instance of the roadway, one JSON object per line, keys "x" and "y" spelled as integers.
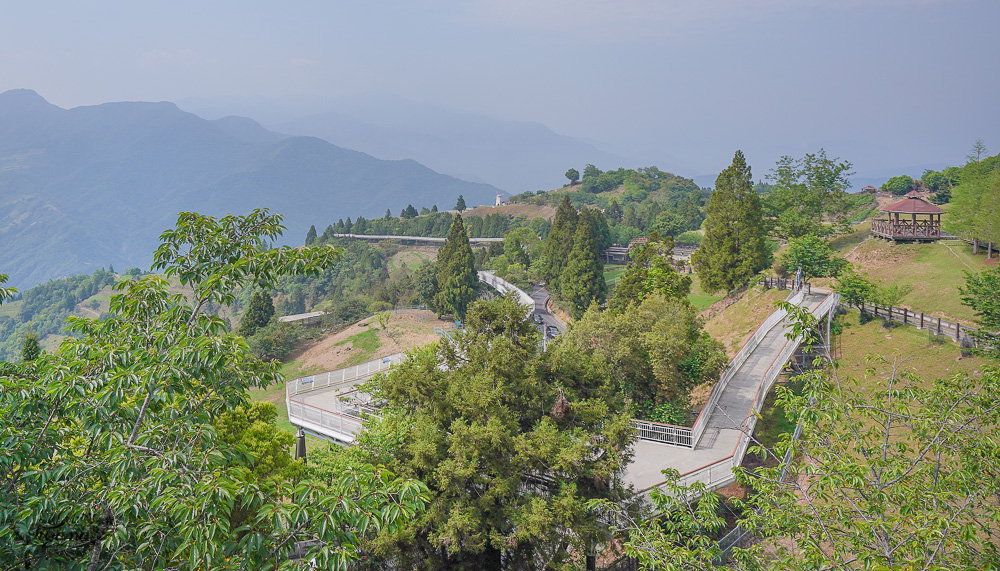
{"x": 541, "y": 298}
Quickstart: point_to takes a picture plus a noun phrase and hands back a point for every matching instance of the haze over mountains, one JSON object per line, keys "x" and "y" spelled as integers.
{"x": 91, "y": 186}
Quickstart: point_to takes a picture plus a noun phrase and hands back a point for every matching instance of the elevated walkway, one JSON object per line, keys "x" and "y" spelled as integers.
{"x": 328, "y": 405}
{"x": 719, "y": 439}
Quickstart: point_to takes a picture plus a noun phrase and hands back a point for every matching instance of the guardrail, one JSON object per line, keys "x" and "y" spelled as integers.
{"x": 341, "y": 377}
{"x": 302, "y": 414}
{"x": 502, "y": 286}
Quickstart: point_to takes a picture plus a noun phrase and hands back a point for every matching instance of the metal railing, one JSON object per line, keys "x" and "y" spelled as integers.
{"x": 663, "y": 433}
{"x": 326, "y": 421}
{"x": 341, "y": 377}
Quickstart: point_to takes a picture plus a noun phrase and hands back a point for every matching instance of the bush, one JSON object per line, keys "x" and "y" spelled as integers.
{"x": 275, "y": 340}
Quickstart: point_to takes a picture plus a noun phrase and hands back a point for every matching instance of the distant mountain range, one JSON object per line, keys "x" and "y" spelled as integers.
{"x": 90, "y": 186}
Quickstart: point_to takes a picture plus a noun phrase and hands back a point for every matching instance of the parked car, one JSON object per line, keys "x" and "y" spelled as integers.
{"x": 552, "y": 330}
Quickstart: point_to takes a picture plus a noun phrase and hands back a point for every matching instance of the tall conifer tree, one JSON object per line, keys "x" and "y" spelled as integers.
{"x": 457, "y": 278}
{"x": 559, "y": 242}
{"x": 733, "y": 249}
{"x": 582, "y": 281}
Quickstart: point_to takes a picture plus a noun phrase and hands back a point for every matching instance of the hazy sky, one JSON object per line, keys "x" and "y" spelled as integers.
{"x": 884, "y": 83}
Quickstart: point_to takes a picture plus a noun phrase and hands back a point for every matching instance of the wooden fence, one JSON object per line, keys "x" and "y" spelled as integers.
{"x": 935, "y": 325}
{"x": 784, "y": 283}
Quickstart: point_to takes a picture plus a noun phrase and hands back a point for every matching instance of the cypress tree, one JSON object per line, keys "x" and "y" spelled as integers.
{"x": 559, "y": 242}
{"x": 388, "y": 215}
{"x": 311, "y": 235}
{"x": 460, "y": 205}
{"x": 582, "y": 281}
{"x": 733, "y": 249}
{"x": 259, "y": 313}
{"x": 457, "y": 280}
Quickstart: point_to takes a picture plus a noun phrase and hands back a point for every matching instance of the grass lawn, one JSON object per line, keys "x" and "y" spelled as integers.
{"x": 698, "y": 297}
{"x": 10, "y": 308}
{"x": 612, "y": 273}
{"x": 366, "y": 343}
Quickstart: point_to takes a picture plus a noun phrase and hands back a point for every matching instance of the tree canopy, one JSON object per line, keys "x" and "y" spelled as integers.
{"x": 806, "y": 191}
{"x": 511, "y": 443}
{"x": 118, "y": 455}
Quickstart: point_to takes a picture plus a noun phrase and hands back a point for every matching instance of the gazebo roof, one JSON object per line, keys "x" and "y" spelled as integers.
{"x": 913, "y": 204}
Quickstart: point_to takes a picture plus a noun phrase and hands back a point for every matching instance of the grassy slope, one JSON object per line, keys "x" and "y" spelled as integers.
{"x": 935, "y": 271}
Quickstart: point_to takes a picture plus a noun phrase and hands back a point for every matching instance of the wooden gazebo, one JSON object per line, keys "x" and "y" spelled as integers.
{"x": 912, "y": 218}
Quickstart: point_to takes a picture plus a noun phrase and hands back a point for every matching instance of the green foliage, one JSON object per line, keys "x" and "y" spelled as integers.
{"x": 655, "y": 351}
{"x": 30, "y": 349}
{"x": 115, "y": 461}
{"x": 44, "y": 308}
{"x": 311, "y": 235}
{"x": 855, "y": 289}
{"x": 982, "y": 294}
{"x": 898, "y": 184}
{"x": 975, "y": 211}
{"x": 813, "y": 255}
{"x": 275, "y": 340}
{"x": 733, "y": 249}
{"x": 559, "y": 243}
{"x": 573, "y": 175}
{"x": 457, "y": 281}
{"x": 649, "y": 272}
{"x": 460, "y": 205}
{"x": 804, "y": 192}
{"x": 258, "y": 314}
{"x": 511, "y": 443}
{"x": 252, "y": 427}
{"x": 582, "y": 280}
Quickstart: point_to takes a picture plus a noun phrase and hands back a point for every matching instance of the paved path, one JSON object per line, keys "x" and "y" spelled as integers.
{"x": 722, "y": 434}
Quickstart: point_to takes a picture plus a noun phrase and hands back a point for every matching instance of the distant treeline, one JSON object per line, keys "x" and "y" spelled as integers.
{"x": 433, "y": 224}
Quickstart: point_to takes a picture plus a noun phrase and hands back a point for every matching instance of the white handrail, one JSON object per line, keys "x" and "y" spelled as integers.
{"x": 341, "y": 377}
{"x": 503, "y": 286}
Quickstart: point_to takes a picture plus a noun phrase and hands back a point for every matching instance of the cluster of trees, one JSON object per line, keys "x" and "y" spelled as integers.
{"x": 134, "y": 445}
{"x": 511, "y": 442}
{"x": 571, "y": 256}
{"x": 649, "y": 339}
{"x": 975, "y": 210}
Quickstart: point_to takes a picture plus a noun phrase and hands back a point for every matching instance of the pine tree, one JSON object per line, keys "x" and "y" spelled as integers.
{"x": 311, "y": 235}
{"x": 582, "y": 281}
{"x": 559, "y": 242}
{"x": 258, "y": 314}
{"x": 30, "y": 349}
{"x": 388, "y": 214}
{"x": 733, "y": 249}
{"x": 348, "y": 226}
{"x": 434, "y": 208}
{"x": 460, "y": 205}
{"x": 457, "y": 278}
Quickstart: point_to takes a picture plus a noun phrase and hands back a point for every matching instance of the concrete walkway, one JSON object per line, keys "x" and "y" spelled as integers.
{"x": 722, "y": 434}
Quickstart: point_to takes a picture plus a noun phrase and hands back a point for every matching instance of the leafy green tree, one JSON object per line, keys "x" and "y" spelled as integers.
{"x": 733, "y": 249}
{"x": 813, "y": 255}
{"x": 409, "y": 212}
{"x": 898, "y": 184}
{"x": 975, "y": 211}
{"x": 582, "y": 281}
{"x": 259, "y": 313}
{"x": 511, "y": 444}
{"x": 982, "y": 294}
{"x": 590, "y": 171}
{"x": 650, "y": 271}
{"x": 855, "y": 289}
{"x": 573, "y": 175}
{"x": 311, "y": 235}
{"x": 388, "y": 215}
{"x": 458, "y": 284}
{"x": 460, "y": 205}
{"x": 30, "y": 349}
{"x": 806, "y": 191}
{"x": 113, "y": 461}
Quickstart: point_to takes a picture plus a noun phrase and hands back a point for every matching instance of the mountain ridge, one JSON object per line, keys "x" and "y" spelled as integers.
{"x": 85, "y": 187}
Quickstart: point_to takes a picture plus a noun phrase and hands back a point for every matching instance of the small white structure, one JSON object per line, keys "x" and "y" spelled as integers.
{"x": 499, "y": 200}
